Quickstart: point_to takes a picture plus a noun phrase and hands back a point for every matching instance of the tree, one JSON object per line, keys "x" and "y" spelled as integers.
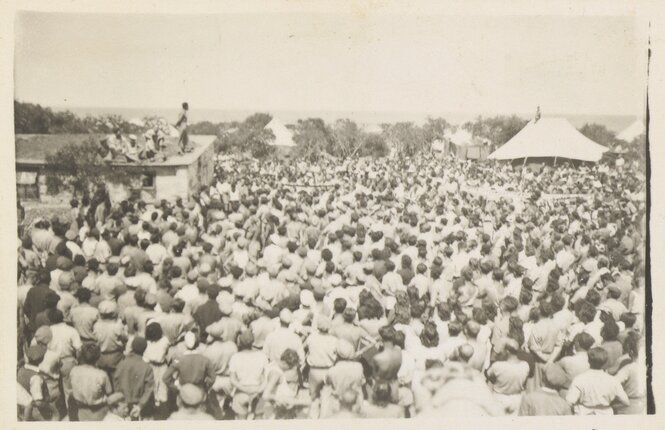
{"x": 348, "y": 138}
{"x": 600, "y": 134}
{"x": 374, "y": 145}
{"x": 407, "y": 138}
{"x": 435, "y": 129}
{"x": 499, "y": 129}
{"x": 81, "y": 167}
{"x": 313, "y": 137}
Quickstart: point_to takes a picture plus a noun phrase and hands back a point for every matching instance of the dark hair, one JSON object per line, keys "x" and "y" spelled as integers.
{"x": 597, "y": 358}
{"x": 290, "y": 357}
{"x": 153, "y": 332}
{"x": 610, "y": 331}
{"x": 584, "y": 340}
{"x": 339, "y": 305}
{"x": 454, "y": 328}
{"x": 429, "y": 336}
{"x": 631, "y": 344}
{"x": 382, "y": 393}
{"x": 89, "y": 354}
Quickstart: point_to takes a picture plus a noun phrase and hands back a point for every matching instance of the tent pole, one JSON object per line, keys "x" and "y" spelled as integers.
{"x": 555, "y": 161}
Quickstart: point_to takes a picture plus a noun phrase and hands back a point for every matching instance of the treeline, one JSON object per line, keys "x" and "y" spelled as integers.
{"x": 313, "y": 136}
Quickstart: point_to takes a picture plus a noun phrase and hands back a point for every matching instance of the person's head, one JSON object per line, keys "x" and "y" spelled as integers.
{"x": 382, "y": 393}
{"x": 339, "y": 305}
{"x": 454, "y": 328}
{"x": 429, "y": 336}
{"x": 55, "y": 316}
{"x": 349, "y": 315}
{"x": 245, "y": 340}
{"x": 89, "y": 354}
{"x": 583, "y": 341}
{"x": 190, "y": 396}
{"x": 153, "y": 332}
{"x": 465, "y": 352}
{"x": 597, "y": 358}
{"x": 472, "y": 329}
{"x": 185, "y": 106}
{"x": 610, "y": 331}
{"x": 118, "y": 405}
{"x": 631, "y": 345}
{"x": 289, "y": 359}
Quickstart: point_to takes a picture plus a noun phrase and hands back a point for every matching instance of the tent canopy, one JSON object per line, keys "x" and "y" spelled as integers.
{"x": 632, "y": 131}
{"x": 283, "y": 136}
{"x": 549, "y": 137}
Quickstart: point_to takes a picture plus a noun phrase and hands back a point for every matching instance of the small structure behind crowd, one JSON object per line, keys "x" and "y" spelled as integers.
{"x": 544, "y": 139}
{"x": 463, "y": 145}
{"x": 633, "y": 131}
{"x": 168, "y": 175}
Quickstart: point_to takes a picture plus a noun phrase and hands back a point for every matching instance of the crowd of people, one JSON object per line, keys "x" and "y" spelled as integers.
{"x": 358, "y": 288}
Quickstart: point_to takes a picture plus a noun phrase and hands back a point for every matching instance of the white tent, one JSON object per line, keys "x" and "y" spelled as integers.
{"x": 549, "y": 137}
{"x": 283, "y": 136}
{"x": 632, "y": 131}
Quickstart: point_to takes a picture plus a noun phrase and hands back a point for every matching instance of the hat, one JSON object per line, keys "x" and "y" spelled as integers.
{"x": 216, "y": 330}
{"x": 204, "y": 269}
{"x": 324, "y": 323}
{"x": 108, "y": 307}
{"x": 43, "y": 335}
{"x": 307, "y": 298}
{"x": 225, "y": 281}
{"x": 70, "y": 235}
{"x": 554, "y": 376}
{"x": 192, "y": 275}
{"x": 226, "y": 308}
{"x": 286, "y": 261}
{"x": 64, "y": 263}
{"x": 345, "y": 350}
{"x": 285, "y": 316}
{"x": 65, "y": 280}
{"x": 115, "y": 398}
{"x": 190, "y": 340}
{"x": 36, "y": 353}
{"x": 150, "y": 299}
{"x": 191, "y": 395}
{"x": 335, "y": 279}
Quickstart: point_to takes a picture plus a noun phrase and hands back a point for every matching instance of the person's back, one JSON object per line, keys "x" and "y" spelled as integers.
{"x": 544, "y": 402}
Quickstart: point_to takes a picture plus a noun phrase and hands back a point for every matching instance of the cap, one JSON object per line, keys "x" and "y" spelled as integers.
{"x": 345, "y": 350}
{"x": 191, "y": 395}
{"x": 216, "y": 330}
{"x": 36, "y": 353}
{"x": 554, "y": 376}
{"x": 285, "y": 316}
{"x": 324, "y": 323}
{"x": 150, "y": 299}
{"x": 108, "y": 307}
{"x": 64, "y": 263}
{"x": 43, "y": 335}
{"x": 307, "y": 298}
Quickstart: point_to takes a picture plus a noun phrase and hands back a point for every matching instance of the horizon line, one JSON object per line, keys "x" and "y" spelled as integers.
{"x": 269, "y": 110}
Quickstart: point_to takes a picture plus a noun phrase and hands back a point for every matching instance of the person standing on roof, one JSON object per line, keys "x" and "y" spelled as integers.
{"x": 181, "y": 125}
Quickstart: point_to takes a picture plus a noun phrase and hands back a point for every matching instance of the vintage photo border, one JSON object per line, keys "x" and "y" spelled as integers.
{"x": 651, "y": 12}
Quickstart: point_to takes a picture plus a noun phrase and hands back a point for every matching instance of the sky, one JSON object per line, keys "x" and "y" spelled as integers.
{"x": 386, "y": 63}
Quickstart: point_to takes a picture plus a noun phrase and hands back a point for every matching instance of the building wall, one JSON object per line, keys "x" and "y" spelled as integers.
{"x": 171, "y": 183}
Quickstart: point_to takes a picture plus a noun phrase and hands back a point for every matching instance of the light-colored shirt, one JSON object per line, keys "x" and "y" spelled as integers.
{"x": 593, "y": 391}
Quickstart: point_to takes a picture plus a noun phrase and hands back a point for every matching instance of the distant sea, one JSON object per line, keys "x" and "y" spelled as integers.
{"x": 615, "y": 123}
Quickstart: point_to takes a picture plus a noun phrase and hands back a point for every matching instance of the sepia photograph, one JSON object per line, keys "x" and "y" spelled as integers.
{"x": 278, "y": 216}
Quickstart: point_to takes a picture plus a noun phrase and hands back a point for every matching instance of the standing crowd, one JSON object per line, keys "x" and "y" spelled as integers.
{"x": 364, "y": 288}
